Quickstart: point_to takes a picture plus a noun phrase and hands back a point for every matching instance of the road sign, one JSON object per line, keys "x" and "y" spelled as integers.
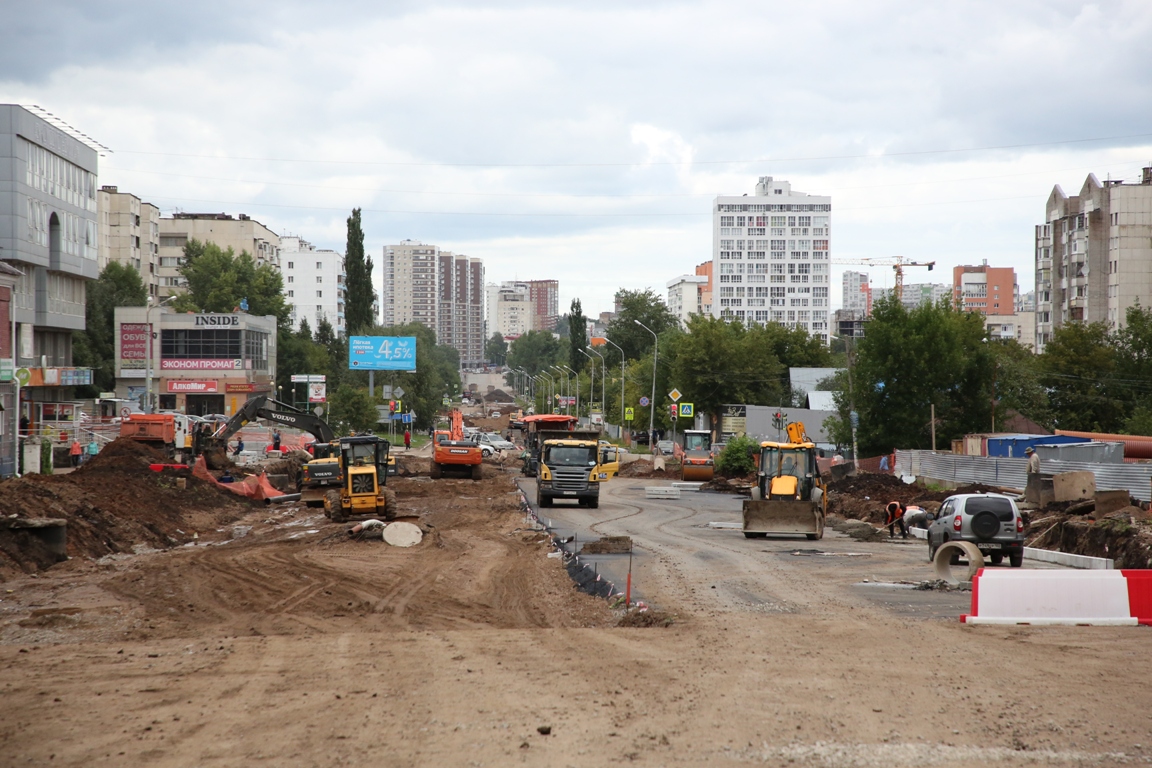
{"x": 307, "y": 378}
{"x": 644, "y": 401}
{"x": 629, "y": 414}
{"x": 318, "y": 410}
{"x": 446, "y": 401}
{"x": 687, "y": 410}
{"x": 399, "y": 391}
{"x": 674, "y": 395}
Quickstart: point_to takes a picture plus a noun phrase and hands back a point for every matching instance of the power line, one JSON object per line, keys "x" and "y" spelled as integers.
{"x": 864, "y": 156}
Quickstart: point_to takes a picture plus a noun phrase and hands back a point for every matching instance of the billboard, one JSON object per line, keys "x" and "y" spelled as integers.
{"x": 382, "y": 353}
{"x": 133, "y": 346}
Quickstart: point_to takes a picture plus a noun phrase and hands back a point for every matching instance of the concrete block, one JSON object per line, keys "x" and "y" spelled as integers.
{"x": 658, "y": 492}
{"x": 1111, "y": 501}
{"x": 1039, "y": 490}
{"x": 1050, "y": 597}
{"x": 1073, "y": 486}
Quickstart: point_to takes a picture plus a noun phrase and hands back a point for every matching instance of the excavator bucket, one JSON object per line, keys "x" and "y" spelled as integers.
{"x": 696, "y": 472}
{"x": 765, "y": 517}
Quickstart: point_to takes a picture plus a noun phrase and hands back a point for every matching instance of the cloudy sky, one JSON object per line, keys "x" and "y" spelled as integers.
{"x": 584, "y": 141}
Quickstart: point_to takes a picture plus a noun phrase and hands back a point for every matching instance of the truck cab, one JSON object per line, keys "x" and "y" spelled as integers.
{"x": 570, "y": 469}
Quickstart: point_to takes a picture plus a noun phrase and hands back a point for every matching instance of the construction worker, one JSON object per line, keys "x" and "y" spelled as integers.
{"x": 896, "y": 510}
{"x": 915, "y": 517}
{"x": 275, "y": 439}
{"x": 1033, "y": 461}
{"x": 239, "y": 447}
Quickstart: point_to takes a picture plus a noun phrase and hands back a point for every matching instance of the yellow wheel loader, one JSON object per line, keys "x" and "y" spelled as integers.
{"x": 789, "y": 497}
{"x": 362, "y": 467}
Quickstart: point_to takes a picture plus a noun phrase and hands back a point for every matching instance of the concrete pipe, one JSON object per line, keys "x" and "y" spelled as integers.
{"x": 943, "y": 560}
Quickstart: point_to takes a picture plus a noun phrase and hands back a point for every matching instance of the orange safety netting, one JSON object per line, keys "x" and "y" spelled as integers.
{"x": 254, "y": 487}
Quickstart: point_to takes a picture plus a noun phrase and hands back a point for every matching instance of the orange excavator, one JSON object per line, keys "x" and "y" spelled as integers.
{"x": 452, "y": 453}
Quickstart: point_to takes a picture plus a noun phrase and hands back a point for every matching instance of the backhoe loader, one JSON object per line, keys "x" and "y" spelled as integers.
{"x": 789, "y": 497}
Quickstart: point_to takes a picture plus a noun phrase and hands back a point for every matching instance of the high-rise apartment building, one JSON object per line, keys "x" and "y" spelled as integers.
{"x": 985, "y": 289}
{"x": 705, "y": 270}
{"x": 510, "y": 310}
{"x": 686, "y": 296}
{"x": 771, "y": 257}
{"x": 240, "y": 233}
{"x": 857, "y": 292}
{"x": 916, "y": 294}
{"x": 439, "y": 289}
{"x": 1093, "y": 254}
{"x": 129, "y": 234}
{"x": 545, "y": 295}
{"x": 314, "y": 283}
{"x": 49, "y": 237}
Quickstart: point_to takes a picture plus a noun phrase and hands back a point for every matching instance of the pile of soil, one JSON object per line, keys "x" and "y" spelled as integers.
{"x": 111, "y": 504}
{"x": 643, "y": 468}
{"x": 863, "y": 496}
{"x": 1120, "y": 535}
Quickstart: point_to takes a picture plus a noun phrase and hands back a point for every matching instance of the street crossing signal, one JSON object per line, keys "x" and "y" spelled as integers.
{"x": 675, "y": 411}
{"x": 778, "y": 420}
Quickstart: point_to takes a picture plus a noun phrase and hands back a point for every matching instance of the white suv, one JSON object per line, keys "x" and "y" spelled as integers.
{"x": 991, "y": 521}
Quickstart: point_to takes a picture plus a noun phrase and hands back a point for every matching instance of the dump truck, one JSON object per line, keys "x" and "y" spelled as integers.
{"x": 539, "y": 426}
{"x": 452, "y": 453}
{"x": 696, "y": 461}
{"x": 569, "y": 468}
{"x": 171, "y": 433}
{"x": 789, "y": 497}
{"x": 362, "y": 462}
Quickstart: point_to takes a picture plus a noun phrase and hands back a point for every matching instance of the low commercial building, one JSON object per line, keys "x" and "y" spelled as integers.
{"x": 201, "y": 363}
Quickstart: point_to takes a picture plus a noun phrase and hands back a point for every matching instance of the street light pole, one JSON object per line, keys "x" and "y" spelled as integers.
{"x": 567, "y": 387}
{"x": 553, "y": 382}
{"x": 603, "y": 380}
{"x": 150, "y": 406}
{"x": 652, "y": 404}
{"x": 591, "y": 385}
{"x": 577, "y": 377}
{"x": 621, "y": 384}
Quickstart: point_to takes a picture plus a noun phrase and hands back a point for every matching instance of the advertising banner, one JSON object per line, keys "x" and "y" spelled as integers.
{"x": 192, "y": 387}
{"x": 317, "y": 393}
{"x": 382, "y": 353}
{"x": 133, "y": 345}
{"x": 734, "y": 419}
{"x": 170, "y": 364}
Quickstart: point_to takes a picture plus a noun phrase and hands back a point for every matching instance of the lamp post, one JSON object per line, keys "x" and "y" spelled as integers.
{"x": 603, "y": 381}
{"x": 621, "y": 384}
{"x": 652, "y": 404}
{"x": 151, "y": 404}
{"x": 567, "y": 386}
{"x": 553, "y": 383}
{"x": 591, "y": 384}
{"x": 576, "y": 376}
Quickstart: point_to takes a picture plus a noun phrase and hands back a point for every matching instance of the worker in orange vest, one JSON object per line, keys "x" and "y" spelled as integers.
{"x": 896, "y": 512}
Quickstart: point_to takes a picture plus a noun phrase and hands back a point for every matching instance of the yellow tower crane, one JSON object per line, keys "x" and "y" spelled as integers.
{"x": 897, "y": 263}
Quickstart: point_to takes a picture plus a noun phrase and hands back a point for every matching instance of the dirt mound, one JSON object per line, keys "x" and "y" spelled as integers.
{"x": 642, "y": 468}
{"x": 864, "y": 496}
{"x": 730, "y": 484}
{"x": 111, "y": 504}
{"x": 1122, "y": 537}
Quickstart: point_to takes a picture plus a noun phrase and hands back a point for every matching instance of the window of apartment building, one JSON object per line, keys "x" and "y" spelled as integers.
{"x": 291, "y": 265}
{"x": 173, "y": 241}
{"x": 319, "y": 294}
{"x": 727, "y": 221}
{"x": 319, "y": 278}
{"x": 291, "y": 294}
{"x": 319, "y": 265}
{"x": 291, "y": 278}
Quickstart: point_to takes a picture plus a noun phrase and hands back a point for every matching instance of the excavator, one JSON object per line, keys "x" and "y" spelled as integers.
{"x": 214, "y": 445}
{"x": 452, "y": 453}
{"x": 789, "y": 496}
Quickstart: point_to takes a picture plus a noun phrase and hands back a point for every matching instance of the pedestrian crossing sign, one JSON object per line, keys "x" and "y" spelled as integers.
{"x": 629, "y": 414}
{"x": 686, "y": 410}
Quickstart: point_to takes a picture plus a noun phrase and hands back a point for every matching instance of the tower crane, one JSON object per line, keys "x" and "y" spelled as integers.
{"x": 897, "y": 263}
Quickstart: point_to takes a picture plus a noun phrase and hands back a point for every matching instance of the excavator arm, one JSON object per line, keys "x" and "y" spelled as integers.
{"x": 215, "y": 446}
{"x": 299, "y": 420}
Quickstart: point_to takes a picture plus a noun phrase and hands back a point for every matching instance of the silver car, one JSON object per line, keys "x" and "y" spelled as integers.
{"x": 496, "y": 441}
{"x": 991, "y": 521}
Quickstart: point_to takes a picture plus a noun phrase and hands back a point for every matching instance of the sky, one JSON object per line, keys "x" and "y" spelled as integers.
{"x": 585, "y": 141}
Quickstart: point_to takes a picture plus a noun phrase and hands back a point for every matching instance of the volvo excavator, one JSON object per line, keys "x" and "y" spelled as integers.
{"x": 214, "y": 445}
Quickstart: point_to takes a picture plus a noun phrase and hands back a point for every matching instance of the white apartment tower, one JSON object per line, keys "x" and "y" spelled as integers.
{"x": 686, "y": 296}
{"x": 857, "y": 292}
{"x": 1093, "y": 254}
{"x": 314, "y": 283}
{"x": 771, "y": 257}
{"x": 511, "y": 311}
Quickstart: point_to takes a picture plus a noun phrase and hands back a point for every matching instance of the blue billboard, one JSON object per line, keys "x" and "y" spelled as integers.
{"x": 382, "y": 353}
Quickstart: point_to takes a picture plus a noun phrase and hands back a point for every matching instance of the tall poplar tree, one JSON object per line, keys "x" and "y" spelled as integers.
{"x": 361, "y": 296}
{"x": 577, "y": 335}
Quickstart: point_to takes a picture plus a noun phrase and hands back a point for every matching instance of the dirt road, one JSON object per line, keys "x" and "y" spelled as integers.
{"x": 291, "y": 645}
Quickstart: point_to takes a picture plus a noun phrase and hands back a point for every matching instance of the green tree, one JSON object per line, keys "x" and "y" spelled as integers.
{"x": 1017, "y": 382}
{"x": 1133, "y": 345}
{"x": 718, "y": 362}
{"x": 360, "y": 295}
{"x": 95, "y": 347}
{"x": 909, "y": 361}
{"x": 219, "y": 280}
{"x": 577, "y": 336}
{"x": 496, "y": 350}
{"x": 738, "y": 457}
{"x": 1077, "y": 368}
{"x": 351, "y": 409}
{"x": 646, "y": 307}
{"x": 1140, "y": 422}
{"x": 534, "y": 351}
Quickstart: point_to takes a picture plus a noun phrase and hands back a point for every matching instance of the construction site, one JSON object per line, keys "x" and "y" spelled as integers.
{"x": 151, "y": 614}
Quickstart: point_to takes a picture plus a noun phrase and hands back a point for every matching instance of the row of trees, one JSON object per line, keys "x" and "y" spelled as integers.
{"x": 219, "y": 280}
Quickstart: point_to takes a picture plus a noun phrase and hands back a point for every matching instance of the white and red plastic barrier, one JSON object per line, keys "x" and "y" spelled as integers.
{"x": 1101, "y": 598}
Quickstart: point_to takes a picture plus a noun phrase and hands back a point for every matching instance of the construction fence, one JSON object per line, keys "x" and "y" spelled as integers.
{"x": 1012, "y": 472}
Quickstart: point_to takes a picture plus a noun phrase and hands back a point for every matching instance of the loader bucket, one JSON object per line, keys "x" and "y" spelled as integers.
{"x": 762, "y": 518}
{"x": 696, "y": 472}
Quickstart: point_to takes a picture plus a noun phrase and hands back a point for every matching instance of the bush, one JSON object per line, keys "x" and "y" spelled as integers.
{"x": 738, "y": 457}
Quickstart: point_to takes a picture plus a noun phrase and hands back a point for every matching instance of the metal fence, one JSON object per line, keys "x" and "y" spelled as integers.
{"x": 1012, "y": 473}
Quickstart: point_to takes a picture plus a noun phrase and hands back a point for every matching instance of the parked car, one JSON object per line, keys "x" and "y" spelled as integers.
{"x": 640, "y": 438}
{"x": 991, "y": 521}
{"x": 494, "y": 440}
{"x": 666, "y": 447}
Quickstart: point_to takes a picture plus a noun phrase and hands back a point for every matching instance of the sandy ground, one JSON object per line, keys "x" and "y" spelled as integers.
{"x": 280, "y": 642}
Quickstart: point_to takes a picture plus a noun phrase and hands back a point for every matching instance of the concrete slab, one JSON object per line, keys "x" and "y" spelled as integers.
{"x": 1073, "y": 486}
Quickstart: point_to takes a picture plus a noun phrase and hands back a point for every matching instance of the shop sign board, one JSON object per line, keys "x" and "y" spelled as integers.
{"x": 192, "y": 386}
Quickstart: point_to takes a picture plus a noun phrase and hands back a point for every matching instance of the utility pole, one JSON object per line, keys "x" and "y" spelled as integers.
{"x": 853, "y": 418}
{"x": 652, "y": 403}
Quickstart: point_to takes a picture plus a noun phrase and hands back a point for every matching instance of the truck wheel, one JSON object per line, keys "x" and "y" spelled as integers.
{"x": 332, "y": 507}
{"x": 389, "y": 504}
{"x": 543, "y": 501}
{"x": 477, "y": 471}
{"x": 435, "y": 470}
{"x": 594, "y": 502}
{"x": 812, "y": 536}
{"x": 1016, "y": 559}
